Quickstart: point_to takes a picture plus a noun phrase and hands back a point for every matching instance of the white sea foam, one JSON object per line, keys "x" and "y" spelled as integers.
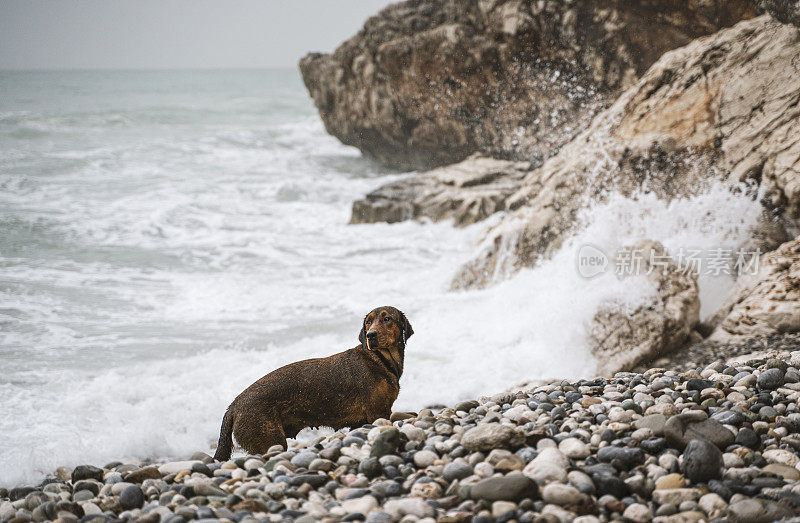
{"x": 159, "y": 268}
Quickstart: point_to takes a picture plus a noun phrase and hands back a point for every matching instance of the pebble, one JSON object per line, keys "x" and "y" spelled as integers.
{"x": 637, "y": 513}
{"x": 132, "y": 497}
{"x": 770, "y": 379}
{"x": 682, "y": 428}
{"x": 511, "y": 487}
{"x": 574, "y": 448}
{"x": 748, "y": 438}
{"x": 490, "y": 436}
{"x": 561, "y": 494}
{"x": 757, "y": 511}
{"x": 713, "y": 505}
{"x": 425, "y": 458}
{"x": 397, "y": 508}
{"x": 787, "y": 472}
{"x": 670, "y": 481}
{"x": 702, "y": 461}
{"x": 501, "y": 508}
{"x": 550, "y": 465}
{"x": 666, "y": 446}
{"x": 457, "y": 470}
{"x": 174, "y": 467}
{"x": 676, "y": 496}
{"x": 363, "y": 505}
{"x": 303, "y": 459}
{"x": 86, "y": 472}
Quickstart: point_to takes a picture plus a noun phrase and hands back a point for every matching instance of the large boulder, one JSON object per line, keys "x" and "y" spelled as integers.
{"x": 724, "y": 107}
{"x": 429, "y": 82}
{"x": 465, "y": 192}
{"x": 621, "y": 338}
{"x": 764, "y": 301}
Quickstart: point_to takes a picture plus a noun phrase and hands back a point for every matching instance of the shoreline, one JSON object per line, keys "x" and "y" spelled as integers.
{"x": 715, "y": 442}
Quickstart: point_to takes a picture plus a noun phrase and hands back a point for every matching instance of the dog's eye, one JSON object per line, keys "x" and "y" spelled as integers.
{"x": 386, "y": 318}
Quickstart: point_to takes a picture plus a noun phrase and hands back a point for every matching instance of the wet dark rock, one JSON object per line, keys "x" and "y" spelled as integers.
{"x": 748, "y": 438}
{"x": 728, "y": 417}
{"x": 770, "y": 379}
{"x": 627, "y": 455}
{"x": 69, "y": 506}
{"x": 653, "y": 445}
{"x": 315, "y": 480}
{"x": 139, "y": 475}
{"x": 370, "y": 467}
{"x": 387, "y": 442}
{"x": 17, "y": 493}
{"x": 698, "y": 384}
{"x": 511, "y": 488}
{"x": 86, "y": 472}
{"x": 132, "y": 497}
{"x": 702, "y": 461}
{"x": 681, "y": 429}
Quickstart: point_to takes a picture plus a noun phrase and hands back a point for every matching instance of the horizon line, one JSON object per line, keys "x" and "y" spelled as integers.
{"x": 155, "y": 68}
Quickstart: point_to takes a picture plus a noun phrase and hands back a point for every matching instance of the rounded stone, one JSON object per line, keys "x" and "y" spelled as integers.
{"x": 457, "y": 470}
{"x": 490, "y": 436}
{"x": 132, "y": 497}
{"x": 86, "y": 472}
{"x": 370, "y": 467}
{"x": 574, "y": 448}
{"x": 757, "y": 511}
{"x": 82, "y": 495}
{"x": 682, "y": 428}
{"x": 670, "y": 481}
{"x": 425, "y": 458}
{"x": 304, "y": 459}
{"x": 713, "y": 505}
{"x": 509, "y": 488}
{"x": 385, "y": 443}
{"x": 637, "y": 513}
{"x": 770, "y": 379}
{"x": 748, "y": 438}
{"x": 702, "y": 461}
{"x": 561, "y": 494}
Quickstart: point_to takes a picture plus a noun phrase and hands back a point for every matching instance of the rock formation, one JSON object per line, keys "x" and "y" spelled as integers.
{"x": 764, "y": 302}
{"x": 465, "y": 192}
{"x": 429, "y": 82}
{"x": 723, "y": 107}
{"x": 787, "y": 11}
{"x": 620, "y": 339}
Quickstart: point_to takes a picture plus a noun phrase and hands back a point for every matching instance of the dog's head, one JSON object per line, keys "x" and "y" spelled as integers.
{"x": 383, "y": 328}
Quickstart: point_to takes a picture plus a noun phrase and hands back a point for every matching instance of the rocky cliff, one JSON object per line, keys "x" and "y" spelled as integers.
{"x": 466, "y": 192}
{"x": 764, "y": 302}
{"x": 723, "y": 107}
{"x": 567, "y": 102}
{"x": 429, "y": 82}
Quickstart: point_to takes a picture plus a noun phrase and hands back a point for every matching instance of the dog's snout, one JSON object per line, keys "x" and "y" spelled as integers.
{"x": 372, "y": 335}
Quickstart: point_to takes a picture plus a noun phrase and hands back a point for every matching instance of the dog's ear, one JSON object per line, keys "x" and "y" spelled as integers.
{"x": 362, "y": 336}
{"x": 406, "y": 326}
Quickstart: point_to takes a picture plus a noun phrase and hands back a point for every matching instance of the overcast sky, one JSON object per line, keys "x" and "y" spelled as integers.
{"x": 48, "y": 34}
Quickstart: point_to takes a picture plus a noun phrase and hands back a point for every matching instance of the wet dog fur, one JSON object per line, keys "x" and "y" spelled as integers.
{"x": 348, "y": 389}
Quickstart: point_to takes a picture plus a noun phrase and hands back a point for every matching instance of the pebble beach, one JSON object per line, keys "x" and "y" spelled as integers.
{"x": 718, "y": 443}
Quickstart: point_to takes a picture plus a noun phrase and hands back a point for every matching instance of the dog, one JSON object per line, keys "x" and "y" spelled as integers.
{"x": 348, "y": 389}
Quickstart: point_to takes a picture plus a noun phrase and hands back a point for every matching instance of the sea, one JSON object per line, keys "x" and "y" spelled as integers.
{"x": 168, "y": 237}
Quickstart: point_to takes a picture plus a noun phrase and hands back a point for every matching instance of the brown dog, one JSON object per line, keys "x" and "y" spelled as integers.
{"x": 348, "y": 389}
